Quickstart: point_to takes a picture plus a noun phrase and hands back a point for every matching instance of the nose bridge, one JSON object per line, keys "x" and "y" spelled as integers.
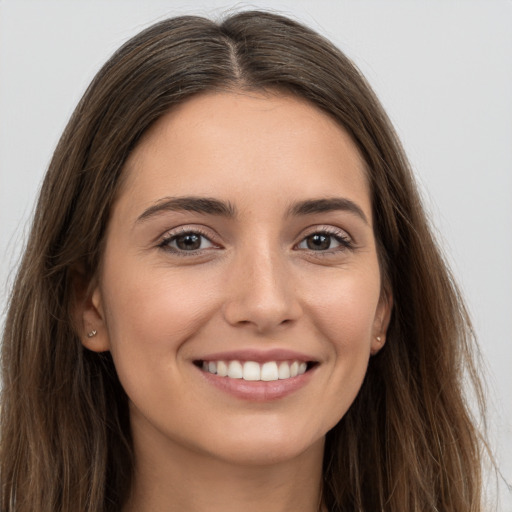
{"x": 261, "y": 290}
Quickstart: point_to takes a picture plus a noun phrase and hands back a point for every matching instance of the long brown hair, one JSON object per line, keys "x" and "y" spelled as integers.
{"x": 408, "y": 443}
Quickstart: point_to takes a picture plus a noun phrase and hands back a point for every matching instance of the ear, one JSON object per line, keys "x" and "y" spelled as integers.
{"x": 88, "y": 313}
{"x": 382, "y": 319}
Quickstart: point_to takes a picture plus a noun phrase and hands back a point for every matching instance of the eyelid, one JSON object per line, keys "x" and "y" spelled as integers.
{"x": 346, "y": 240}
{"x": 172, "y": 233}
{"x": 327, "y": 229}
{"x": 342, "y": 235}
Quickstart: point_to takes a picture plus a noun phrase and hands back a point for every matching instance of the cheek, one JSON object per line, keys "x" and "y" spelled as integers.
{"x": 151, "y": 313}
{"x": 343, "y": 308}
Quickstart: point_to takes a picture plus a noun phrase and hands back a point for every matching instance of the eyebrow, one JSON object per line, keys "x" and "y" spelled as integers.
{"x": 204, "y": 205}
{"x": 211, "y": 206}
{"x": 312, "y": 206}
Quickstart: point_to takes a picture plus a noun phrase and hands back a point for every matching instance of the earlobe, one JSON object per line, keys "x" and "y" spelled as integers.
{"x": 382, "y": 319}
{"x": 95, "y": 335}
{"x": 89, "y": 315}
{"x": 377, "y": 343}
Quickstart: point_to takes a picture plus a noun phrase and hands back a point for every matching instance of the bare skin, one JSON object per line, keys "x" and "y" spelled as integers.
{"x": 242, "y": 235}
{"x": 202, "y": 484}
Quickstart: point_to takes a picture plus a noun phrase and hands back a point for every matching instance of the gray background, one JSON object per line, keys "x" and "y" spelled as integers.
{"x": 443, "y": 71}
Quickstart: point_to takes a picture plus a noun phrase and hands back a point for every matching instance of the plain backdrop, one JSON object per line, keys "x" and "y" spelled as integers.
{"x": 443, "y": 70}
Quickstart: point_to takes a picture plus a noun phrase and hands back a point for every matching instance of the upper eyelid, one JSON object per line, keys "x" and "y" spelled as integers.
{"x": 172, "y": 236}
{"x": 346, "y": 239}
{"x": 215, "y": 238}
{"x": 180, "y": 230}
{"x": 325, "y": 228}
{"x": 164, "y": 242}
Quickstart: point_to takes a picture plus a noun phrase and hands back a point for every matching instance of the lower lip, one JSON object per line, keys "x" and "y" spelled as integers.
{"x": 258, "y": 391}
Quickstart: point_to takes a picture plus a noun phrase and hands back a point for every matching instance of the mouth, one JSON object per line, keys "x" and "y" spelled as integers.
{"x": 253, "y": 371}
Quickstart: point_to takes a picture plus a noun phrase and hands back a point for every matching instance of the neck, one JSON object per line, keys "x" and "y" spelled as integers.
{"x": 177, "y": 479}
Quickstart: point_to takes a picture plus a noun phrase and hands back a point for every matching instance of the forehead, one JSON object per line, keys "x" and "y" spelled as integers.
{"x": 234, "y": 144}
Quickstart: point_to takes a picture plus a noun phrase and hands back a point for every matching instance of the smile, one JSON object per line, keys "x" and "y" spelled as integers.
{"x": 254, "y": 371}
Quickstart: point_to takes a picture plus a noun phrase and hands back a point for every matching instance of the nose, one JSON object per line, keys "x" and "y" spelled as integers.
{"x": 261, "y": 293}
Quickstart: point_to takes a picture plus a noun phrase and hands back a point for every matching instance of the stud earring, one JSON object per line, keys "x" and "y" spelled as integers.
{"x": 378, "y": 337}
{"x": 92, "y": 334}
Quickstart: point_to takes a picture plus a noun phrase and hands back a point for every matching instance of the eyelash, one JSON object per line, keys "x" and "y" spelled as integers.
{"x": 338, "y": 235}
{"x": 173, "y": 236}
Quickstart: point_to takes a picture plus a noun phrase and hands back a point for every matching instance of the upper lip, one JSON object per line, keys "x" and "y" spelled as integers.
{"x": 257, "y": 355}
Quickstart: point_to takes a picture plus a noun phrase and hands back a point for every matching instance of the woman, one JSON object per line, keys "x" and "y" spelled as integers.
{"x": 231, "y": 298}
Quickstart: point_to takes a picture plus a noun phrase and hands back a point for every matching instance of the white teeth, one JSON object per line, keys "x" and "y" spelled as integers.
{"x": 284, "y": 370}
{"x": 253, "y": 371}
{"x": 222, "y": 369}
{"x": 235, "y": 370}
{"x": 269, "y": 371}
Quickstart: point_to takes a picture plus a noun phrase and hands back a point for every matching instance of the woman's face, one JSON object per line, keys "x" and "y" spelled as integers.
{"x": 239, "y": 292}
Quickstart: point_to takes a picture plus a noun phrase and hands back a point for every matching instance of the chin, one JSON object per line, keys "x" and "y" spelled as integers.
{"x": 264, "y": 447}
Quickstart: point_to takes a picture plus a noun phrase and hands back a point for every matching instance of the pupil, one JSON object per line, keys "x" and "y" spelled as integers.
{"x": 188, "y": 242}
{"x": 319, "y": 242}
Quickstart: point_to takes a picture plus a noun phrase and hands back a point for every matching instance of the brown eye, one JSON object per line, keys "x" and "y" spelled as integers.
{"x": 187, "y": 242}
{"x": 318, "y": 242}
{"x": 325, "y": 241}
